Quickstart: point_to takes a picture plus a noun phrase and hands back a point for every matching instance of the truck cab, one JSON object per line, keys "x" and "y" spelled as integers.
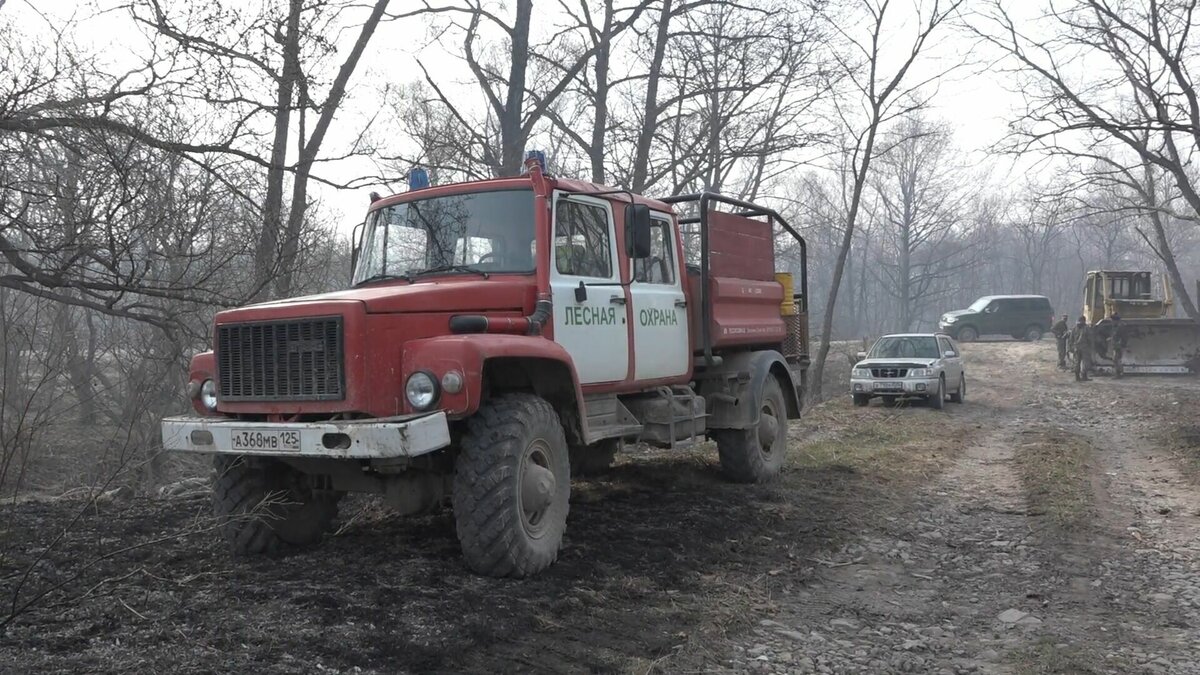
{"x": 499, "y": 336}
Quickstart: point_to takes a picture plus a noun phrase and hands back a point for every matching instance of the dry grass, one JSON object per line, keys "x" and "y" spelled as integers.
{"x": 1055, "y": 471}
{"x": 1046, "y": 657}
{"x": 890, "y": 445}
{"x": 1184, "y": 442}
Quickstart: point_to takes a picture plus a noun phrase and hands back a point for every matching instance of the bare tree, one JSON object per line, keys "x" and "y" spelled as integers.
{"x": 875, "y": 96}
{"x": 923, "y": 195}
{"x": 1138, "y": 92}
{"x": 272, "y": 47}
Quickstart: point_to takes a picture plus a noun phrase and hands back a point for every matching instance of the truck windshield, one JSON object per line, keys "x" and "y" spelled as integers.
{"x": 485, "y": 232}
{"x": 907, "y": 347}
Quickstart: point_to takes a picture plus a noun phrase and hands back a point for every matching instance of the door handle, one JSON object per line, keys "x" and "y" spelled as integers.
{"x": 617, "y": 299}
{"x": 681, "y": 303}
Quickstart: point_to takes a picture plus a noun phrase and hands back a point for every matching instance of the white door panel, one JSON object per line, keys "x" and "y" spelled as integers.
{"x": 660, "y": 325}
{"x": 593, "y": 331}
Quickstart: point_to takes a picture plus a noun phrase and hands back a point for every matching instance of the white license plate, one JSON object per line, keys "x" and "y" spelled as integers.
{"x": 889, "y": 386}
{"x": 266, "y": 441}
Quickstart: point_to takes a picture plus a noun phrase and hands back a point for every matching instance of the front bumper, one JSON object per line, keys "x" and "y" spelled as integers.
{"x": 887, "y": 386}
{"x": 385, "y": 438}
{"x": 950, "y": 329}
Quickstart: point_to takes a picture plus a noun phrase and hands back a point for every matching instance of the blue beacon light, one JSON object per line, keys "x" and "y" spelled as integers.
{"x": 418, "y": 178}
{"x": 537, "y": 155}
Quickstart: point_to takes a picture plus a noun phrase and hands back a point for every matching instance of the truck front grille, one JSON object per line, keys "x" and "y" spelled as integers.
{"x": 298, "y": 360}
{"x": 889, "y": 372}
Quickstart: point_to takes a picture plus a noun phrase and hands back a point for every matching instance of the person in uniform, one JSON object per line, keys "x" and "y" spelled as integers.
{"x": 1116, "y": 344}
{"x": 1081, "y": 349}
{"x": 1061, "y": 333}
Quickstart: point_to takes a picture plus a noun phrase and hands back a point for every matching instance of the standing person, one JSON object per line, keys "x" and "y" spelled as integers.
{"x": 1061, "y": 332}
{"x": 1081, "y": 348}
{"x": 1116, "y": 344}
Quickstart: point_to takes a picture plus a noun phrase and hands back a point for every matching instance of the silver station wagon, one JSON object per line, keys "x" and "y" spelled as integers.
{"x": 922, "y": 365}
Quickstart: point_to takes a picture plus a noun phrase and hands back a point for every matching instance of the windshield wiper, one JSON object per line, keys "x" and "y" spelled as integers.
{"x": 447, "y": 268}
{"x": 382, "y": 276}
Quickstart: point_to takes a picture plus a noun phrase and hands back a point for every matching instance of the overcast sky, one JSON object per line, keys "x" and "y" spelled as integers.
{"x": 976, "y": 101}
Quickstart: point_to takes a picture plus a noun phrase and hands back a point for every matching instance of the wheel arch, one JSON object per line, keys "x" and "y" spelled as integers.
{"x": 550, "y": 378}
{"x": 498, "y": 363}
{"x": 733, "y": 389}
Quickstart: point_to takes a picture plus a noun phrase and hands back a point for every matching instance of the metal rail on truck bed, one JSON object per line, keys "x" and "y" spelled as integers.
{"x": 704, "y": 201}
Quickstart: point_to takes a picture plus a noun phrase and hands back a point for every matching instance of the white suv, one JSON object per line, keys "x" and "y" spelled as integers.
{"x": 925, "y": 365}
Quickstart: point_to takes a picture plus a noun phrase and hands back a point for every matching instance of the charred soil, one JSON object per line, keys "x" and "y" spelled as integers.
{"x": 899, "y": 539}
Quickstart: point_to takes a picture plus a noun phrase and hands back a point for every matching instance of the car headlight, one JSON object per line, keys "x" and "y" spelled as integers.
{"x": 922, "y": 372}
{"x": 421, "y": 390}
{"x": 949, "y": 319}
{"x": 208, "y": 395}
{"x": 861, "y": 372}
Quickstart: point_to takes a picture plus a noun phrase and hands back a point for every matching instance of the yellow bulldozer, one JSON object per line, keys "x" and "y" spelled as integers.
{"x": 1156, "y": 341}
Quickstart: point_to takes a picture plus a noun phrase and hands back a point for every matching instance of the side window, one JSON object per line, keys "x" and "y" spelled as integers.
{"x": 659, "y": 268}
{"x": 945, "y": 346}
{"x": 581, "y": 243}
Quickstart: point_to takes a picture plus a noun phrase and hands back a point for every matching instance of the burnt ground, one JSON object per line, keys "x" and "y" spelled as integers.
{"x": 1043, "y": 526}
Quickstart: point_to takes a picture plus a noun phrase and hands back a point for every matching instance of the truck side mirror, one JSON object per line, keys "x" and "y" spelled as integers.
{"x": 861, "y": 355}
{"x": 637, "y": 231}
{"x": 355, "y": 240}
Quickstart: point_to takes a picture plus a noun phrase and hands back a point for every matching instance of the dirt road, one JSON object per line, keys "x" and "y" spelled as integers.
{"x": 1043, "y": 526}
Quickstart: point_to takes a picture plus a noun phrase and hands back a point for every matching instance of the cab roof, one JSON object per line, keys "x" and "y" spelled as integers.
{"x": 516, "y": 183}
{"x": 1013, "y": 297}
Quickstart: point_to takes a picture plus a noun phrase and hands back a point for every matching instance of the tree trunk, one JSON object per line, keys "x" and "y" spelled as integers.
{"x": 641, "y": 159}
{"x": 860, "y": 180}
{"x": 512, "y": 134}
{"x": 600, "y": 123}
{"x": 265, "y": 257}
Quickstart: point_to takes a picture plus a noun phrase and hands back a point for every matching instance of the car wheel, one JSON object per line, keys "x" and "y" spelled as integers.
{"x": 938, "y": 400}
{"x": 968, "y": 334}
{"x": 861, "y": 400}
{"x": 961, "y": 394}
{"x": 1033, "y": 333}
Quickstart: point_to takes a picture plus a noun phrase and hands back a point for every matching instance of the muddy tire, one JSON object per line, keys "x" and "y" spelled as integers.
{"x": 756, "y": 455}
{"x": 937, "y": 400}
{"x": 594, "y": 459}
{"x": 960, "y": 394}
{"x": 266, "y": 506}
{"x": 1032, "y": 334}
{"x": 861, "y": 400}
{"x": 512, "y": 487}
{"x": 968, "y": 334}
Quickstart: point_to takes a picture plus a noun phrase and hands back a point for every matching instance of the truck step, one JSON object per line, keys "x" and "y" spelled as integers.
{"x": 607, "y": 417}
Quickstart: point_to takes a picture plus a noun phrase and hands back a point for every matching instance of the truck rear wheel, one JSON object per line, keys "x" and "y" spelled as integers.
{"x": 756, "y": 454}
{"x": 266, "y": 505}
{"x": 594, "y": 459}
{"x": 512, "y": 487}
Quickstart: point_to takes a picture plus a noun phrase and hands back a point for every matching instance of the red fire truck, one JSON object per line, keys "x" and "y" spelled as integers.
{"x": 499, "y": 336}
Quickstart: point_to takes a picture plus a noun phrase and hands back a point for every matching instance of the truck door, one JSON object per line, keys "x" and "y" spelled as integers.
{"x": 592, "y": 329}
{"x": 660, "y": 326}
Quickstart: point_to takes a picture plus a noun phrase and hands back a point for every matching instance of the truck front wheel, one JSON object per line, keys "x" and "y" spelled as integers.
{"x": 756, "y": 454}
{"x": 265, "y": 506}
{"x": 512, "y": 487}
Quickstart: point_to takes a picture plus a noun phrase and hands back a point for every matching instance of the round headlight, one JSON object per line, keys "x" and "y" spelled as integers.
{"x": 452, "y": 382}
{"x": 421, "y": 390}
{"x": 208, "y": 395}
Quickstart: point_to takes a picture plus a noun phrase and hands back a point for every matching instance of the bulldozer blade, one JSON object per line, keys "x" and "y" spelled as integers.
{"x": 1155, "y": 346}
